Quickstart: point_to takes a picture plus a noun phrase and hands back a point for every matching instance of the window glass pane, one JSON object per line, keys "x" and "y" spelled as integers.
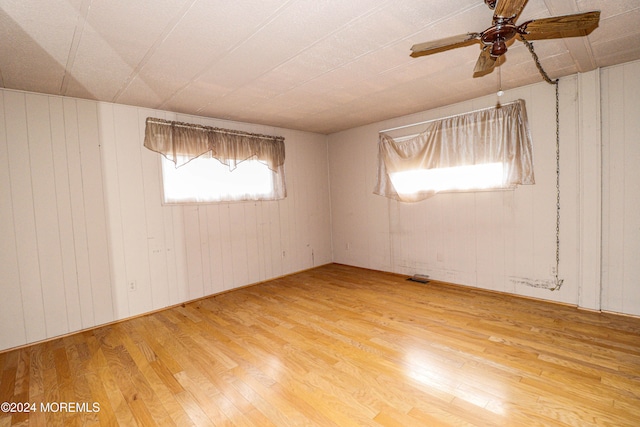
{"x": 205, "y": 179}
{"x": 471, "y": 177}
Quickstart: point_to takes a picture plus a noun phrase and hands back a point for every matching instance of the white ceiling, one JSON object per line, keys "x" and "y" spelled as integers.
{"x": 315, "y": 65}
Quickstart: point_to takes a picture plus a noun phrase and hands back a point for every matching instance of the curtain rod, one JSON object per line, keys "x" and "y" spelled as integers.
{"x": 211, "y": 129}
{"x": 444, "y": 118}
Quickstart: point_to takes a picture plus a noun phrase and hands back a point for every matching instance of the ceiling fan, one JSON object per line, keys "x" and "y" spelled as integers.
{"x": 503, "y": 31}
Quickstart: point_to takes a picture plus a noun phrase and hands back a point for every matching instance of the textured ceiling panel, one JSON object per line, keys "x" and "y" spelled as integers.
{"x": 321, "y": 66}
{"x": 34, "y": 43}
{"x": 206, "y": 33}
{"x": 112, "y": 45}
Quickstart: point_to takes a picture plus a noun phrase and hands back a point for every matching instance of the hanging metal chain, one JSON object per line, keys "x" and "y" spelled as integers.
{"x": 545, "y": 76}
{"x": 543, "y": 73}
{"x": 557, "y": 280}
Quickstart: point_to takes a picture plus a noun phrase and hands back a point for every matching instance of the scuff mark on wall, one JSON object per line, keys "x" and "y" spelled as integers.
{"x": 534, "y": 283}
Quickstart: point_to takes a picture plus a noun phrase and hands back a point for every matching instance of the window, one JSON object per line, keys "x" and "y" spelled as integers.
{"x": 206, "y": 164}
{"x": 484, "y": 149}
{"x": 206, "y": 179}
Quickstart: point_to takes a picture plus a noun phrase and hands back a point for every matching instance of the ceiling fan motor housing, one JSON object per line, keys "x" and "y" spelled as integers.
{"x": 498, "y": 35}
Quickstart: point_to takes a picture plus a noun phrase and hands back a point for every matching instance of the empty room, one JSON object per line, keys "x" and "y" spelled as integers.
{"x": 320, "y": 213}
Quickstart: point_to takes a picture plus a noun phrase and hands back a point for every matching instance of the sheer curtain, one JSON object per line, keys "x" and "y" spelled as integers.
{"x": 486, "y": 138}
{"x": 180, "y": 143}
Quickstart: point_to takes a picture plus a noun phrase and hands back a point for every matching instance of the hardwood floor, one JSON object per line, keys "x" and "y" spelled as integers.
{"x": 337, "y": 346}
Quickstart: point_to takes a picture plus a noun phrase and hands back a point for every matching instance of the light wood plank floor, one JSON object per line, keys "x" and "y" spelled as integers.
{"x": 338, "y": 346}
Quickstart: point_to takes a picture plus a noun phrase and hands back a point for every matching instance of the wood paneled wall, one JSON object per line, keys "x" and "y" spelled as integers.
{"x": 56, "y": 274}
{"x": 621, "y": 188}
{"x": 505, "y": 240}
{"x": 81, "y": 219}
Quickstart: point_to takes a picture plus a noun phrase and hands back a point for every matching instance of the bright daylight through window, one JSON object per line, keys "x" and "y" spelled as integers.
{"x": 205, "y": 179}
{"x": 456, "y": 178}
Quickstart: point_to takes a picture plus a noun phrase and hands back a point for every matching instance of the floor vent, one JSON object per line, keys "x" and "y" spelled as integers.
{"x": 420, "y": 278}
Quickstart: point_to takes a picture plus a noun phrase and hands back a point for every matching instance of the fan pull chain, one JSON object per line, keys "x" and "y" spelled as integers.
{"x": 500, "y": 91}
{"x": 545, "y": 76}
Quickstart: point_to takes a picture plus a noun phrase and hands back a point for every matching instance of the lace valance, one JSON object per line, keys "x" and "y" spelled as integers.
{"x": 182, "y": 142}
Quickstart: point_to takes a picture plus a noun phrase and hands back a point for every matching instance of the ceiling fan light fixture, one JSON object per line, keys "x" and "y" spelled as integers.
{"x": 498, "y": 48}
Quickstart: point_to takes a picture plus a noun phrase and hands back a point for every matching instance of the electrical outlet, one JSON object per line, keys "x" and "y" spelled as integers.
{"x": 132, "y": 285}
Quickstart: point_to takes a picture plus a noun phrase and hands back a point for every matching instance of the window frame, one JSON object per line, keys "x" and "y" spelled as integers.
{"x": 165, "y": 162}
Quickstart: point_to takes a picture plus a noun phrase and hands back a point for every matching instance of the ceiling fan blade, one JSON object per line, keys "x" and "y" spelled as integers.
{"x": 441, "y": 45}
{"x": 485, "y": 62}
{"x": 509, "y": 9}
{"x": 577, "y": 25}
